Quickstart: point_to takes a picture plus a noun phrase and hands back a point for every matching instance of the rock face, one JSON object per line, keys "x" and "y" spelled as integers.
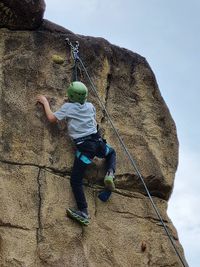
{"x": 21, "y": 14}
{"x": 36, "y": 158}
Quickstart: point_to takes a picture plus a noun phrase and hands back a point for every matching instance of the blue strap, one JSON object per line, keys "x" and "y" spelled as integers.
{"x": 83, "y": 158}
{"x": 108, "y": 149}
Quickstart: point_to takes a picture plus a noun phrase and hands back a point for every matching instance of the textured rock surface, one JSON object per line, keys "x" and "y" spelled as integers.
{"x": 21, "y": 14}
{"x": 36, "y": 157}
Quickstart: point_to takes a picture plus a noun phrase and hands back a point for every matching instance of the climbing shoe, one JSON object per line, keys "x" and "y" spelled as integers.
{"x": 79, "y": 216}
{"x": 109, "y": 181}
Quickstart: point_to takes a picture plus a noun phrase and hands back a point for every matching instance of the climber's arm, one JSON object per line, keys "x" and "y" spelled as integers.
{"x": 50, "y": 116}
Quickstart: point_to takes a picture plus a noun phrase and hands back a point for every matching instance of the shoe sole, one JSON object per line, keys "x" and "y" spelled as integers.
{"x": 77, "y": 218}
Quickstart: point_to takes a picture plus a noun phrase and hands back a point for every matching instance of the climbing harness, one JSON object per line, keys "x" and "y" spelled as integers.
{"x": 78, "y": 60}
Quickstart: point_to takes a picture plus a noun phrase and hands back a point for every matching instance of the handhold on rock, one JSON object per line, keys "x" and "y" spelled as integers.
{"x": 58, "y": 59}
{"x": 143, "y": 246}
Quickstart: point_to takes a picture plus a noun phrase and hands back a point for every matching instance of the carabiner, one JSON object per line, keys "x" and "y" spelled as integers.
{"x": 74, "y": 48}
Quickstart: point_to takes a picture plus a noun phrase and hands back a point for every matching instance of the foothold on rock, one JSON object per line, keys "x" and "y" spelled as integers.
{"x": 58, "y": 59}
{"x": 143, "y": 246}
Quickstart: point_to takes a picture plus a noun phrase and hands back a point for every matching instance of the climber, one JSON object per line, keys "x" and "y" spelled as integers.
{"x": 82, "y": 128}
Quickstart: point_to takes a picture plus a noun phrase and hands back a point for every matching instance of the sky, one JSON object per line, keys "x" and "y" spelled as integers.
{"x": 167, "y": 34}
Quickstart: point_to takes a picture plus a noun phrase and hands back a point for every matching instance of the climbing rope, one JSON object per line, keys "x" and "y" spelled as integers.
{"x": 76, "y": 58}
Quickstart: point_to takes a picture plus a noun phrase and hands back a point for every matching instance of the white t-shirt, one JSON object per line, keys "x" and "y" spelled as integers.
{"x": 81, "y": 118}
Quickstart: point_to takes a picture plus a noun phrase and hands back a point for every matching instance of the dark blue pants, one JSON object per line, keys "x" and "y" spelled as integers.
{"x": 86, "y": 151}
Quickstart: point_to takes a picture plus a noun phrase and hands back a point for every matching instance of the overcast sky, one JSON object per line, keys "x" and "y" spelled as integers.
{"x": 167, "y": 34}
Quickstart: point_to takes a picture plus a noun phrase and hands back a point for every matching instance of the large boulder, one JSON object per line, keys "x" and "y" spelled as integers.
{"x": 21, "y": 14}
{"x": 36, "y": 158}
{"x": 126, "y": 86}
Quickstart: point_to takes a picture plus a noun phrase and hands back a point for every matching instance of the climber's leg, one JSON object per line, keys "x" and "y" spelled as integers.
{"x": 107, "y": 152}
{"x": 110, "y": 159}
{"x": 80, "y": 164}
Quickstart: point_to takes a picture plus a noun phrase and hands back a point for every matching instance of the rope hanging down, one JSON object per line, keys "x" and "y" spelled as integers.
{"x": 76, "y": 58}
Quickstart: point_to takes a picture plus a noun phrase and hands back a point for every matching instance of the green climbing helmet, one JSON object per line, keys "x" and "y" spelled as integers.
{"x": 77, "y": 92}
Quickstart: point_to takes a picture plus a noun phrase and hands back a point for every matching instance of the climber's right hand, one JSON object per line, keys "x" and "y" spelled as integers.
{"x": 42, "y": 99}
